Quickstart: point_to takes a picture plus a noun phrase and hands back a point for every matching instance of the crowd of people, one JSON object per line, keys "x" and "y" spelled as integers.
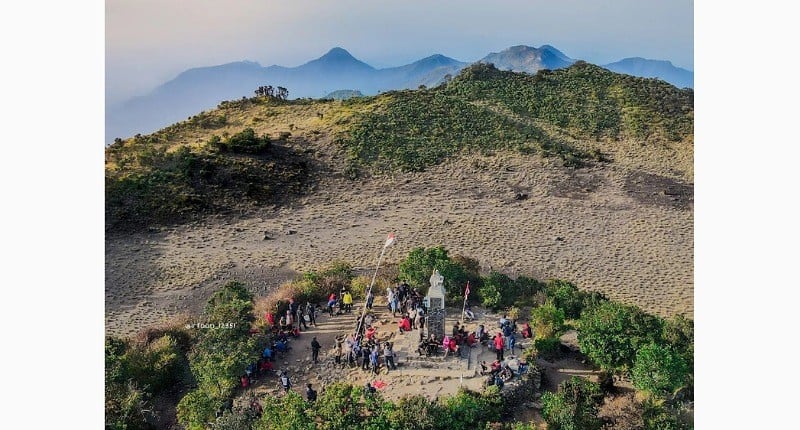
{"x": 373, "y": 353}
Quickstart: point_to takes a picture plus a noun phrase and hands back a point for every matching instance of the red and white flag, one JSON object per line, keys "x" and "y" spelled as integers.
{"x": 389, "y": 240}
{"x": 466, "y": 291}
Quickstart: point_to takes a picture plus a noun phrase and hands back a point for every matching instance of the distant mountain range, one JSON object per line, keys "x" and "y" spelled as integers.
{"x": 203, "y": 88}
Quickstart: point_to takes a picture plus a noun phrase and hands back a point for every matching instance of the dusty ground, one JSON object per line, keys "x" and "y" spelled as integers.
{"x": 623, "y": 229}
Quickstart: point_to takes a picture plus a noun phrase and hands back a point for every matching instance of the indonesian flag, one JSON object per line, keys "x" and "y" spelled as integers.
{"x": 389, "y": 240}
{"x": 466, "y": 291}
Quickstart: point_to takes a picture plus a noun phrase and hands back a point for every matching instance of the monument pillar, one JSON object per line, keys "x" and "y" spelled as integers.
{"x": 434, "y": 301}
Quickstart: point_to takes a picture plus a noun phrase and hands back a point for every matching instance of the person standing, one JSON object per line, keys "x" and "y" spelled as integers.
{"x": 315, "y": 347}
{"x": 311, "y": 311}
{"x": 373, "y": 359}
{"x": 365, "y": 353}
{"x": 347, "y": 301}
{"x": 311, "y": 395}
{"x": 388, "y": 357}
{"x": 370, "y": 298}
{"x": 285, "y": 382}
{"x": 499, "y": 345}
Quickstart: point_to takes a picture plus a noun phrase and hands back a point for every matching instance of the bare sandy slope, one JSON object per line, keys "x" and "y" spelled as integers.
{"x": 611, "y": 228}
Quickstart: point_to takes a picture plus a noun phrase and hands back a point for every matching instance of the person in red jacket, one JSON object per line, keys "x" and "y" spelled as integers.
{"x": 404, "y": 324}
{"x": 499, "y": 345}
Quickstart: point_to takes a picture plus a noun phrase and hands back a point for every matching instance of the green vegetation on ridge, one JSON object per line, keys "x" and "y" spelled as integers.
{"x": 188, "y": 169}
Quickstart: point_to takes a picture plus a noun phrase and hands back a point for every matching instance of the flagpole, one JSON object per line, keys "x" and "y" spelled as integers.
{"x": 369, "y": 289}
{"x": 464, "y": 308}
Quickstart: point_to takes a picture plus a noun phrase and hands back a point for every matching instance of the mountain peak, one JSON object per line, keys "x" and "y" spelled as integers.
{"x": 337, "y": 53}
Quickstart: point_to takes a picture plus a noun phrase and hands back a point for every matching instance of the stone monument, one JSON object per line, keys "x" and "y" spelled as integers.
{"x": 434, "y": 302}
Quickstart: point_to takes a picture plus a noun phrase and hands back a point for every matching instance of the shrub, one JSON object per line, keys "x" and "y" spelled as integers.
{"x": 679, "y": 334}
{"x": 339, "y": 407}
{"x": 285, "y": 412}
{"x": 126, "y": 405}
{"x": 246, "y": 142}
{"x": 499, "y": 290}
{"x": 573, "y": 407}
{"x": 611, "y": 333}
{"x": 547, "y": 321}
{"x": 468, "y": 409}
{"x": 525, "y": 289}
{"x": 197, "y": 409}
{"x": 659, "y": 370}
{"x": 566, "y": 296}
{"x": 414, "y": 413}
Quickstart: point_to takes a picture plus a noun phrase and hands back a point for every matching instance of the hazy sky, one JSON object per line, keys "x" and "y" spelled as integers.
{"x": 149, "y": 42}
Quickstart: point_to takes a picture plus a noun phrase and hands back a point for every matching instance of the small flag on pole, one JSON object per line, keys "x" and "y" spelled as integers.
{"x": 466, "y": 291}
{"x": 389, "y": 240}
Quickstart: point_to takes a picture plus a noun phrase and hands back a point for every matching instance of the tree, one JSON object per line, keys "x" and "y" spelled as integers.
{"x": 282, "y": 93}
{"x": 418, "y": 266}
{"x": 574, "y": 406}
{"x": 611, "y": 333}
{"x": 659, "y": 370}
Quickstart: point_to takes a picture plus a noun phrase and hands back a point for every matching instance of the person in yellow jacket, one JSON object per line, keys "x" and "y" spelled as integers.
{"x": 347, "y": 301}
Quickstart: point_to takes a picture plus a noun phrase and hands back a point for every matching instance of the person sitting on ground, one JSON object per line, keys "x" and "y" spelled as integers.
{"x": 268, "y": 354}
{"x": 283, "y": 324}
{"x": 496, "y": 367}
{"x": 471, "y": 340}
{"x": 371, "y": 332}
{"x": 526, "y": 331}
{"x": 281, "y": 346}
{"x": 453, "y": 345}
{"x": 369, "y": 389}
{"x": 498, "y": 381}
{"x": 282, "y": 336}
{"x": 404, "y": 324}
{"x": 270, "y": 317}
{"x": 522, "y": 367}
{"x": 470, "y": 316}
{"x": 311, "y": 395}
{"x": 456, "y": 329}
{"x": 449, "y": 345}
{"x": 265, "y": 366}
{"x": 251, "y": 371}
{"x": 484, "y": 368}
{"x": 245, "y": 380}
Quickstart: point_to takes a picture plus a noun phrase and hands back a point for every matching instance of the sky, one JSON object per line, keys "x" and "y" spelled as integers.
{"x": 149, "y": 42}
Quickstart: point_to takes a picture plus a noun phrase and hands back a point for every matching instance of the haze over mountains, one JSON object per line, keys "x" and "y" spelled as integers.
{"x": 203, "y": 88}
